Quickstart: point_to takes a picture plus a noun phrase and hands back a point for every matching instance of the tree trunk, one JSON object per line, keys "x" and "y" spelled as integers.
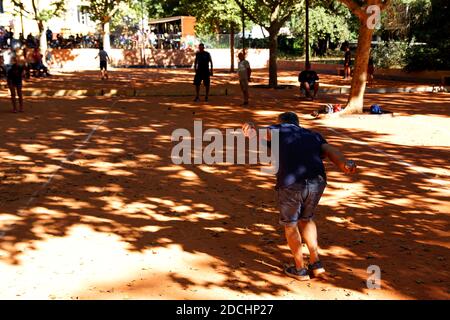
{"x": 42, "y": 39}
{"x": 232, "y": 47}
{"x": 355, "y": 101}
{"x": 273, "y": 52}
{"x": 106, "y": 36}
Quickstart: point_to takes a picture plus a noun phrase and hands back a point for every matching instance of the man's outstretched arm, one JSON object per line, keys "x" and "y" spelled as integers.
{"x": 335, "y": 156}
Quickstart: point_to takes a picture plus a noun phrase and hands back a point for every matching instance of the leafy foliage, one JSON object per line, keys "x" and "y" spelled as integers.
{"x": 390, "y": 54}
{"x": 420, "y": 58}
{"x": 167, "y": 8}
{"x": 434, "y": 30}
{"x": 102, "y": 10}
{"x": 127, "y": 18}
{"x": 270, "y": 14}
{"x": 214, "y": 16}
{"x": 37, "y": 12}
{"x": 325, "y": 24}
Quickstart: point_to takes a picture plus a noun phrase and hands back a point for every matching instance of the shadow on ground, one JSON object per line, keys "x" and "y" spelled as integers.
{"x": 123, "y": 181}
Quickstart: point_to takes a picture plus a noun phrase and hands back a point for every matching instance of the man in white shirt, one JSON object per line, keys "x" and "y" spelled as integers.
{"x": 8, "y": 56}
{"x": 244, "y": 72}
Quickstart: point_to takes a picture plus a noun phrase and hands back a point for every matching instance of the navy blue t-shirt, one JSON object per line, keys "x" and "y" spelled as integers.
{"x": 300, "y": 154}
{"x": 202, "y": 60}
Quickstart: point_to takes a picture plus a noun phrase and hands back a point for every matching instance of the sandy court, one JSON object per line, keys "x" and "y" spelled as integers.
{"x": 161, "y": 82}
{"x": 118, "y": 220}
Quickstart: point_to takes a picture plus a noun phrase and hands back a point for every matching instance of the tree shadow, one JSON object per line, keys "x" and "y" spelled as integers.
{"x": 123, "y": 181}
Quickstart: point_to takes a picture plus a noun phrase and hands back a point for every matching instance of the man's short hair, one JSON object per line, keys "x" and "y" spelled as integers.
{"x": 201, "y": 45}
{"x": 288, "y": 117}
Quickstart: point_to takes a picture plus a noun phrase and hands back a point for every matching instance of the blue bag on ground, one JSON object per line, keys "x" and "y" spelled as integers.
{"x": 375, "y": 109}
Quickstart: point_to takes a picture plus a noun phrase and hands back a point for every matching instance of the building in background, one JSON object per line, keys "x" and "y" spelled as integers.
{"x": 173, "y": 32}
{"x": 72, "y": 21}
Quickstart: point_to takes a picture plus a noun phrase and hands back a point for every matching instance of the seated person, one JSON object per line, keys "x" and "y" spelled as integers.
{"x": 37, "y": 64}
{"x": 309, "y": 80}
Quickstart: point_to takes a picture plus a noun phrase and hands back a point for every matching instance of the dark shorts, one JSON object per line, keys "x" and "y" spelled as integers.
{"x": 14, "y": 83}
{"x": 103, "y": 65}
{"x": 310, "y": 83}
{"x": 299, "y": 201}
{"x": 202, "y": 76}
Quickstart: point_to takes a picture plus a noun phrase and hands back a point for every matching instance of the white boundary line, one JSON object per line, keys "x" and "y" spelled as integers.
{"x": 404, "y": 163}
{"x": 67, "y": 158}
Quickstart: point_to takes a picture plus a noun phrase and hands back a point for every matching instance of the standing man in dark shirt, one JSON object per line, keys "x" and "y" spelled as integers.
{"x": 202, "y": 71}
{"x": 347, "y": 62}
{"x": 301, "y": 181}
{"x": 309, "y": 80}
{"x": 49, "y": 35}
{"x": 14, "y": 79}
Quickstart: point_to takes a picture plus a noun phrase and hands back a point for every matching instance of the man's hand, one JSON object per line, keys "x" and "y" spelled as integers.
{"x": 349, "y": 167}
{"x": 332, "y": 153}
{"x": 249, "y": 129}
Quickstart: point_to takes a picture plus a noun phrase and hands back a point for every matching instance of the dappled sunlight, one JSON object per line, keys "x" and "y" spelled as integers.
{"x": 268, "y": 113}
{"x": 112, "y": 169}
{"x": 120, "y": 221}
{"x": 342, "y": 252}
{"x": 42, "y": 212}
{"x": 38, "y": 148}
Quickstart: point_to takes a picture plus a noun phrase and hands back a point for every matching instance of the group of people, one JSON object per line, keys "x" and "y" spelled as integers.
{"x": 72, "y": 41}
{"x": 126, "y": 40}
{"x": 308, "y": 78}
{"x": 56, "y": 41}
{"x": 16, "y": 65}
{"x": 31, "y": 59}
{"x": 149, "y": 39}
{"x": 203, "y": 67}
{"x": 301, "y": 177}
{"x": 7, "y": 39}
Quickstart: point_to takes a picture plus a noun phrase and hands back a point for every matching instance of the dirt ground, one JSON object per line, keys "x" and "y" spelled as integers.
{"x": 149, "y": 82}
{"x": 92, "y": 207}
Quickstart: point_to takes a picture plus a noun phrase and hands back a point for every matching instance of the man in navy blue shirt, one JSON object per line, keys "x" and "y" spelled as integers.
{"x": 202, "y": 71}
{"x": 309, "y": 81}
{"x": 301, "y": 181}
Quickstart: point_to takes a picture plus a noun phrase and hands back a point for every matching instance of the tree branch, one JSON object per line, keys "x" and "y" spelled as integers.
{"x": 19, "y": 4}
{"x": 355, "y": 8}
{"x": 384, "y": 4}
{"x": 252, "y": 17}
